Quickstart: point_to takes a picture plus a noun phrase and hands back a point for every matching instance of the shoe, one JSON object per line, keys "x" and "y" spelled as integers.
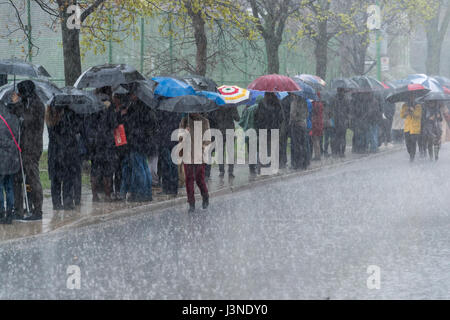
{"x": 205, "y": 203}
{"x": 58, "y": 207}
{"x": 191, "y": 208}
{"x": 69, "y": 207}
{"x": 33, "y": 217}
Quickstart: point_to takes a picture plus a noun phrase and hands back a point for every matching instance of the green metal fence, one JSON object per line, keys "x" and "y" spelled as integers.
{"x": 141, "y": 52}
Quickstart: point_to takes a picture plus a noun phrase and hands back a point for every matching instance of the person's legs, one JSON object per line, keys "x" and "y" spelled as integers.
{"x": 295, "y": 147}
{"x": 8, "y": 184}
{"x": 77, "y": 182}
{"x": 316, "y": 144}
{"x": 2, "y": 198}
{"x": 55, "y": 188}
{"x": 189, "y": 179}
{"x": 68, "y": 188}
{"x": 18, "y": 194}
{"x": 33, "y": 179}
{"x": 200, "y": 179}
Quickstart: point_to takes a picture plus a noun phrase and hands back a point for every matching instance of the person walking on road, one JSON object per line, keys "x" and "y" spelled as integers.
{"x": 195, "y": 172}
{"x": 412, "y": 113}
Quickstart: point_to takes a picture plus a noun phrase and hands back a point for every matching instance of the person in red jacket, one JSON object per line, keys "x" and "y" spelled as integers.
{"x": 317, "y": 127}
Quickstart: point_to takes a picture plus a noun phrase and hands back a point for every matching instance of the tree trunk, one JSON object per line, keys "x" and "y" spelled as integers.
{"x": 72, "y": 56}
{"x": 201, "y": 42}
{"x": 71, "y": 47}
{"x": 434, "y": 48}
{"x": 321, "y": 51}
{"x": 272, "y": 51}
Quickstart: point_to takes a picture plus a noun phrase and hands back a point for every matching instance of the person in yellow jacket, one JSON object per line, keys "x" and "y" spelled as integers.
{"x": 412, "y": 113}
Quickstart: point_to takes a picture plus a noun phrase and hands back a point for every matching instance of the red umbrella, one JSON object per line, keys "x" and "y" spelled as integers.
{"x": 274, "y": 83}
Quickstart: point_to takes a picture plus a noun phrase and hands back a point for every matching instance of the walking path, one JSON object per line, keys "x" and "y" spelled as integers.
{"x": 90, "y": 212}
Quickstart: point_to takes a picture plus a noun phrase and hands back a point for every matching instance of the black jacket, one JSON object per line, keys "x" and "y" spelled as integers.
{"x": 63, "y": 147}
{"x": 9, "y": 153}
{"x": 32, "y": 111}
{"x": 168, "y": 122}
{"x": 141, "y": 129}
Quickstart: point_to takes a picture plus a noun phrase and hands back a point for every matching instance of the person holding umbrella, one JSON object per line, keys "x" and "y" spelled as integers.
{"x": 64, "y": 161}
{"x": 9, "y": 161}
{"x": 101, "y": 145}
{"x": 412, "y": 113}
{"x": 27, "y": 105}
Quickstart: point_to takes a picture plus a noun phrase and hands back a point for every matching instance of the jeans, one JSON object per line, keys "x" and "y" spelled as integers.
{"x": 6, "y": 183}
{"x": 136, "y": 176}
{"x": 299, "y": 148}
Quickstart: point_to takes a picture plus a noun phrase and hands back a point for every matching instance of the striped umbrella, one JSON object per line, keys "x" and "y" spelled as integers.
{"x": 234, "y": 95}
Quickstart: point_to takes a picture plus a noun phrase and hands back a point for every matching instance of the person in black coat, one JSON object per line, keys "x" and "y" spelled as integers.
{"x": 27, "y": 106}
{"x": 101, "y": 146}
{"x": 141, "y": 128}
{"x": 168, "y": 123}
{"x": 63, "y": 155}
{"x": 269, "y": 116}
{"x": 9, "y": 161}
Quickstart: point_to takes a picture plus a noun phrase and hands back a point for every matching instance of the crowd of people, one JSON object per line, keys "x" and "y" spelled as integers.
{"x": 129, "y": 147}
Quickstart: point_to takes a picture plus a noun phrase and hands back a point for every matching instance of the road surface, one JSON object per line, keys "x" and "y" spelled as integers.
{"x": 336, "y": 234}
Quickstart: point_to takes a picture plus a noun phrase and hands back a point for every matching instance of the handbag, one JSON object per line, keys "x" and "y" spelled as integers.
{"x": 120, "y": 137}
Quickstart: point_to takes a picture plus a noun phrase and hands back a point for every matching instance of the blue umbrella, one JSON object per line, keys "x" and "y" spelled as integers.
{"x": 213, "y": 96}
{"x": 307, "y": 91}
{"x": 171, "y": 88}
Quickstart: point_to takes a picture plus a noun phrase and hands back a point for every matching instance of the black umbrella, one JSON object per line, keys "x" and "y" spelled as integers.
{"x": 436, "y": 96}
{"x": 144, "y": 91}
{"x": 200, "y": 83}
{"x": 23, "y": 68}
{"x": 187, "y": 104}
{"x": 405, "y": 93}
{"x": 81, "y": 102}
{"x": 44, "y": 90}
{"x": 108, "y": 75}
{"x": 366, "y": 82}
{"x": 344, "y": 83}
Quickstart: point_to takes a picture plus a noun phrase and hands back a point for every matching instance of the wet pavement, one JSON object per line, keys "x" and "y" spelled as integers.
{"x": 307, "y": 237}
{"x": 90, "y": 212}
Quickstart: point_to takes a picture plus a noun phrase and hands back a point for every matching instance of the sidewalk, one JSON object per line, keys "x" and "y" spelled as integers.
{"x": 90, "y": 212}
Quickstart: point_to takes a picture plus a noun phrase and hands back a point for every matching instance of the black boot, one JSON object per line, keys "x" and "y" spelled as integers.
{"x": 205, "y": 203}
{"x": 35, "y": 216}
{"x": 191, "y": 207}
